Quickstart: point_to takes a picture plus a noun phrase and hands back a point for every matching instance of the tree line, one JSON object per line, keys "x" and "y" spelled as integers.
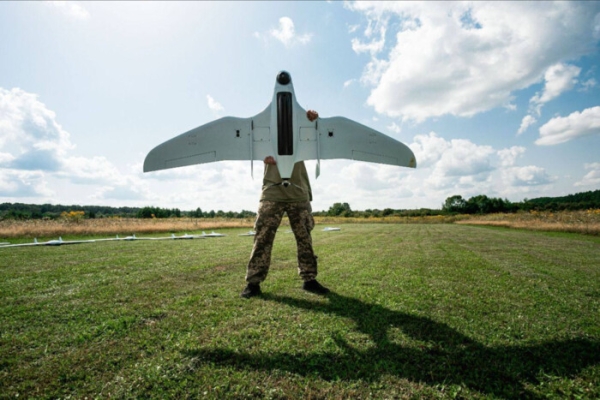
{"x": 21, "y": 211}
{"x": 480, "y": 204}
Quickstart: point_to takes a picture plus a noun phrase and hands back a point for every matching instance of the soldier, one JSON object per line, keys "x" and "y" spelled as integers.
{"x": 274, "y": 202}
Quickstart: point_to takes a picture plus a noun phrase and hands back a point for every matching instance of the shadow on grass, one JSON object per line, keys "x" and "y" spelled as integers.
{"x": 445, "y": 357}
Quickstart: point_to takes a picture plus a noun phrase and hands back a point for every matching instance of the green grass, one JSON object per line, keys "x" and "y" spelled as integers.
{"x": 417, "y": 311}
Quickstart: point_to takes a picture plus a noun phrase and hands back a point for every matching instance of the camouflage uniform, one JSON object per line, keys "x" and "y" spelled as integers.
{"x": 275, "y": 201}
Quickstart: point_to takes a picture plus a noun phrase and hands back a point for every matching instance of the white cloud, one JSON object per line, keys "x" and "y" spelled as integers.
{"x": 508, "y": 157}
{"x": 366, "y": 176}
{"x": 527, "y": 121}
{"x": 30, "y": 132}
{"x": 394, "y": 127}
{"x": 578, "y": 124}
{"x": 465, "y": 158}
{"x": 592, "y": 178}
{"x": 349, "y": 82}
{"x": 131, "y": 190}
{"x": 35, "y": 159}
{"x": 588, "y": 84}
{"x": 214, "y": 105}
{"x": 526, "y": 176}
{"x": 72, "y": 9}
{"x": 458, "y": 163}
{"x": 448, "y": 167}
{"x": 373, "y": 47}
{"x": 207, "y": 185}
{"x": 286, "y": 33}
{"x": 15, "y": 184}
{"x": 27, "y": 124}
{"x": 462, "y": 58}
{"x": 428, "y": 149}
{"x": 373, "y": 185}
{"x": 94, "y": 170}
{"x": 559, "y": 78}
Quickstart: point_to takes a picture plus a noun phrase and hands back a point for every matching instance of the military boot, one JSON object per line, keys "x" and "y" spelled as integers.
{"x": 315, "y": 287}
{"x": 251, "y": 290}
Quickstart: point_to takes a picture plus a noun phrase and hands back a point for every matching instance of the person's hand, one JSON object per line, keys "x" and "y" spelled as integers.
{"x": 270, "y": 160}
{"x": 312, "y": 115}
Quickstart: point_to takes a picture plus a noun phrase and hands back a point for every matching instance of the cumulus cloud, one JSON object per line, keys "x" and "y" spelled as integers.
{"x": 133, "y": 190}
{"x": 15, "y": 184}
{"x": 526, "y": 176}
{"x": 214, "y": 105}
{"x": 207, "y": 185}
{"x": 445, "y": 167}
{"x": 458, "y": 163}
{"x": 592, "y": 178}
{"x": 527, "y": 121}
{"x": 286, "y": 33}
{"x": 559, "y": 78}
{"x": 448, "y": 166}
{"x": 463, "y": 58}
{"x": 429, "y": 148}
{"x": 27, "y": 124}
{"x": 35, "y": 155}
{"x": 508, "y": 157}
{"x": 465, "y": 158}
{"x": 373, "y": 46}
{"x": 578, "y": 124}
{"x": 94, "y": 170}
{"x": 32, "y": 145}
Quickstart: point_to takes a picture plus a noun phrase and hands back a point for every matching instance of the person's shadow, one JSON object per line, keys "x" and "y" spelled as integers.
{"x": 445, "y": 356}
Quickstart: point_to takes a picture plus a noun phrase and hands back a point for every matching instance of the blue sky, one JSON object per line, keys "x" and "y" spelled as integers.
{"x": 496, "y": 98}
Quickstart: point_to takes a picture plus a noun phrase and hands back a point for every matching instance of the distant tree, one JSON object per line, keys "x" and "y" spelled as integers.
{"x": 455, "y": 204}
{"x": 387, "y": 211}
{"x": 479, "y": 204}
{"x": 246, "y": 214}
{"x": 338, "y": 209}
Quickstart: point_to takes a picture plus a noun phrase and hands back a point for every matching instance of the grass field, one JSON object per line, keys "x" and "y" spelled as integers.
{"x": 416, "y": 311}
{"x": 584, "y": 221}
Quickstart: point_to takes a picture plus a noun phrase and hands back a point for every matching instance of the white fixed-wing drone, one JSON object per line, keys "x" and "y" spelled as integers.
{"x": 283, "y": 131}
{"x": 61, "y": 242}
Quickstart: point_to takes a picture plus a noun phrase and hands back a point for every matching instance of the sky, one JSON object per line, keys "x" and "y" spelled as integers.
{"x": 494, "y": 98}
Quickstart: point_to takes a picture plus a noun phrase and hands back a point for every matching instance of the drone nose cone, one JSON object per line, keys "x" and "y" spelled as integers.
{"x": 283, "y": 78}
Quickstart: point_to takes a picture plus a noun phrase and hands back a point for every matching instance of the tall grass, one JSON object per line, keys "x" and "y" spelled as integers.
{"x": 113, "y": 226}
{"x": 586, "y": 222}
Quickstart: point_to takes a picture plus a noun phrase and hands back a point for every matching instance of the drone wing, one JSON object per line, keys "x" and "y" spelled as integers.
{"x": 227, "y": 138}
{"x": 341, "y": 137}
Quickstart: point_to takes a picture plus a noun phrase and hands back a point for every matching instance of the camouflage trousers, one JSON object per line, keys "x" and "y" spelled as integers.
{"x": 269, "y": 217}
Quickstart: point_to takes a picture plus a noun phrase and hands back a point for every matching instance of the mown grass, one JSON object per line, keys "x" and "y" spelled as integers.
{"x": 417, "y": 311}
